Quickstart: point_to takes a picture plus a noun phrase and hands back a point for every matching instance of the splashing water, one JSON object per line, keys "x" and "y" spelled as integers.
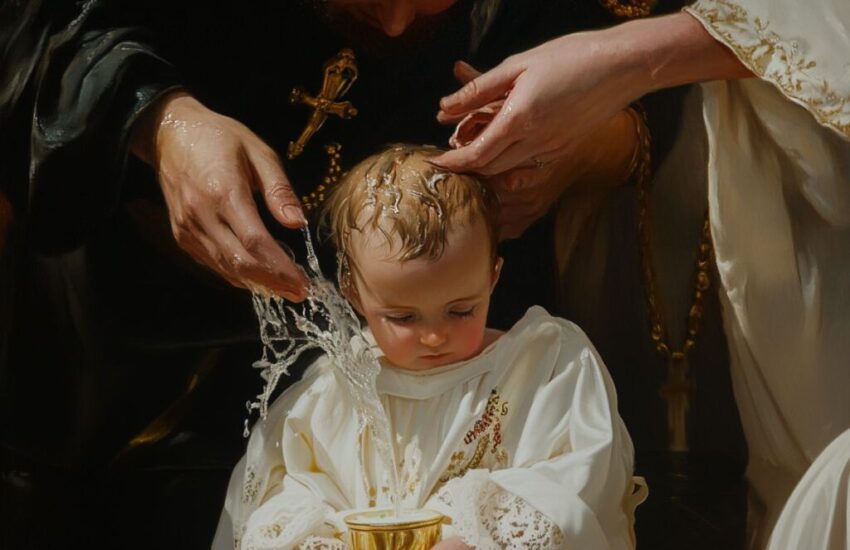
{"x": 326, "y": 321}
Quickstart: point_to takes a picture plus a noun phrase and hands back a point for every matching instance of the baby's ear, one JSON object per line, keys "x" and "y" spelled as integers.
{"x": 497, "y": 271}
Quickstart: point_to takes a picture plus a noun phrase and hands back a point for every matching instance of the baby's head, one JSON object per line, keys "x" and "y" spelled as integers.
{"x": 417, "y": 255}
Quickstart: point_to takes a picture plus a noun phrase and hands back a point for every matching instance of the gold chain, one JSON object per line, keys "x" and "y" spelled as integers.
{"x": 332, "y": 176}
{"x": 630, "y": 9}
{"x": 702, "y": 276}
{"x": 702, "y": 272}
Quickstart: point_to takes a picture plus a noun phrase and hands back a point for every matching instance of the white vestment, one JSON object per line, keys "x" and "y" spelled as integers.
{"x": 521, "y": 446}
{"x": 817, "y": 514}
{"x": 779, "y": 199}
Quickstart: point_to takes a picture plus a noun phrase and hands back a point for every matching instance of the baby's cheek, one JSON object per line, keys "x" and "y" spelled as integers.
{"x": 397, "y": 343}
{"x": 470, "y": 337}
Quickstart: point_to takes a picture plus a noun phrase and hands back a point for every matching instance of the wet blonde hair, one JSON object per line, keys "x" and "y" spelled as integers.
{"x": 411, "y": 201}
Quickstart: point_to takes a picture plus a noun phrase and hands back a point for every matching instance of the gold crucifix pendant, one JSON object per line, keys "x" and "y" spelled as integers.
{"x": 340, "y": 74}
{"x": 677, "y": 394}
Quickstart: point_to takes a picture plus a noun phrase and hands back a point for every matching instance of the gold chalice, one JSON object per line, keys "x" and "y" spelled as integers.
{"x": 382, "y": 530}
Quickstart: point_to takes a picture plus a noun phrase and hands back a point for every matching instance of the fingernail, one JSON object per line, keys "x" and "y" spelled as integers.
{"x": 295, "y": 295}
{"x": 294, "y": 214}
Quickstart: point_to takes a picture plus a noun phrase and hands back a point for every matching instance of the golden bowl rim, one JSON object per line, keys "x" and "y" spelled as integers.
{"x": 362, "y": 526}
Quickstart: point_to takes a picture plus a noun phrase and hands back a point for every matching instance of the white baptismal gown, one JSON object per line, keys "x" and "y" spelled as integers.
{"x": 521, "y": 446}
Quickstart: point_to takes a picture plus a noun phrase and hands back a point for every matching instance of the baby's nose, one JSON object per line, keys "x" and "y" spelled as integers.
{"x": 433, "y": 338}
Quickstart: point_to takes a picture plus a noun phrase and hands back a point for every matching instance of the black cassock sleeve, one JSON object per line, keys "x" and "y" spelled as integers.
{"x": 75, "y": 77}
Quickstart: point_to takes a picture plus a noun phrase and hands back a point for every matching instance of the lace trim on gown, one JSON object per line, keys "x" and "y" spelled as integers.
{"x": 487, "y": 517}
{"x": 278, "y": 530}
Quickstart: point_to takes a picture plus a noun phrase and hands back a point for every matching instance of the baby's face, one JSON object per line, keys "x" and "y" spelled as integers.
{"x": 423, "y": 312}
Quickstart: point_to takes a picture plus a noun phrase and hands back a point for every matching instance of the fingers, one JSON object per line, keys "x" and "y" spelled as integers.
{"x": 444, "y": 118}
{"x": 516, "y": 157}
{"x": 481, "y": 90}
{"x": 228, "y": 236}
{"x": 203, "y": 251}
{"x": 464, "y": 72}
{"x": 275, "y": 186}
{"x": 514, "y": 219}
{"x": 484, "y": 149}
{"x": 266, "y": 264}
{"x": 510, "y": 183}
{"x": 521, "y": 201}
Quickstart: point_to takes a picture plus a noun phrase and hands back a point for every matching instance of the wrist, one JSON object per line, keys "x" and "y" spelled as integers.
{"x": 144, "y": 135}
{"x": 673, "y": 50}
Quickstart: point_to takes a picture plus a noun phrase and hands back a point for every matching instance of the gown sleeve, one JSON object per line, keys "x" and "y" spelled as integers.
{"x": 279, "y": 496}
{"x": 797, "y": 48}
{"x": 577, "y": 493}
{"x": 815, "y": 515}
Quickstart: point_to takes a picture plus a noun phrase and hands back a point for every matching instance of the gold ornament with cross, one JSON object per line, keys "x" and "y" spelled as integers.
{"x": 340, "y": 74}
{"x": 679, "y": 386}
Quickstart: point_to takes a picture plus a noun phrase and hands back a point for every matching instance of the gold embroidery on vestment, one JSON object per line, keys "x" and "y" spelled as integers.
{"x": 487, "y": 430}
{"x": 250, "y": 486}
{"x": 776, "y": 59}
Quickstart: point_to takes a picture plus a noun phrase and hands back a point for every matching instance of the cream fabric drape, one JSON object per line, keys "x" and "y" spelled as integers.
{"x": 779, "y": 196}
{"x": 818, "y": 512}
{"x": 521, "y": 446}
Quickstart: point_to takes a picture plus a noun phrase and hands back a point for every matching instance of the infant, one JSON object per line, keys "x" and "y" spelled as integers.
{"x": 514, "y": 436}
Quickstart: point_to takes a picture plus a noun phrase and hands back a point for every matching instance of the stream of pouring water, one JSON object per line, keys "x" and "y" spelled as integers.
{"x": 327, "y": 322}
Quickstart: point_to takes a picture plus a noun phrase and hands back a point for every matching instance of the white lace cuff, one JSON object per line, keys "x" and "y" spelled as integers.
{"x": 322, "y": 543}
{"x": 488, "y": 517}
{"x": 276, "y": 528}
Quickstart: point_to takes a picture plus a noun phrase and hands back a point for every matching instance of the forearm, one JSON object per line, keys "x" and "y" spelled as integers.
{"x": 672, "y": 50}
